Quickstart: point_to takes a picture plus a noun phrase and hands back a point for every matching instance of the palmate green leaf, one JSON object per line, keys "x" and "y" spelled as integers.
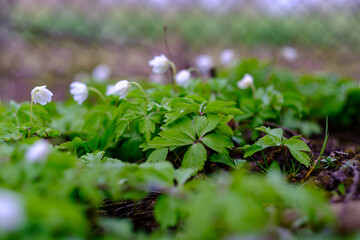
{"x": 218, "y": 142}
{"x": 204, "y": 124}
{"x": 296, "y": 144}
{"x": 302, "y": 157}
{"x": 166, "y": 212}
{"x": 251, "y": 149}
{"x": 184, "y": 125}
{"x": 179, "y": 110}
{"x": 195, "y": 157}
{"x": 222, "y": 107}
{"x": 224, "y": 159}
{"x": 9, "y": 131}
{"x": 169, "y": 138}
{"x": 183, "y": 174}
{"x": 159, "y": 155}
{"x": 276, "y": 133}
{"x": 120, "y": 128}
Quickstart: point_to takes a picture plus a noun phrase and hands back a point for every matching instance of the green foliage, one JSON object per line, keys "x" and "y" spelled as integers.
{"x": 275, "y": 138}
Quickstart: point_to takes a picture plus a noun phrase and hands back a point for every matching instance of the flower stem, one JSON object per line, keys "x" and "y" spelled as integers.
{"x": 138, "y": 85}
{"x": 31, "y": 111}
{"x": 253, "y": 89}
{"x": 192, "y": 69}
{"x": 173, "y": 68}
{"x": 98, "y": 93}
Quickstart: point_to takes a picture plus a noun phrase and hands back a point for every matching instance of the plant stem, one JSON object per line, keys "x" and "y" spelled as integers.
{"x": 173, "y": 69}
{"x": 142, "y": 90}
{"x": 98, "y": 93}
{"x": 253, "y": 89}
{"x": 192, "y": 69}
{"x": 262, "y": 151}
{"x": 31, "y": 111}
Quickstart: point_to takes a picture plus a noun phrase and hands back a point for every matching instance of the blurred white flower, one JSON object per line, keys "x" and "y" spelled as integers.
{"x": 246, "y": 81}
{"x": 121, "y": 89}
{"x": 227, "y": 57}
{"x": 183, "y": 77}
{"x": 159, "y": 64}
{"x": 12, "y": 212}
{"x": 41, "y": 95}
{"x": 38, "y": 151}
{"x": 290, "y": 54}
{"x": 79, "y": 91}
{"x": 101, "y": 73}
{"x": 204, "y": 63}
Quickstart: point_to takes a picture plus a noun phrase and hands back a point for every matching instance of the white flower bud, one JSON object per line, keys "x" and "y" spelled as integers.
{"x": 120, "y": 89}
{"x": 183, "y": 77}
{"x": 290, "y": 54}
{"x": 38, "y": 151}
{"x": 79, "y": 91}
{"x": 204, "y": 63}
{"x": 227, "y": 57}
{"x": 159, "y": 64}
{"x": 12, "y": 213}
{"x": 101, "y": 73}
{"x": 41, "y": 95}
{"x": 246, "y": 81}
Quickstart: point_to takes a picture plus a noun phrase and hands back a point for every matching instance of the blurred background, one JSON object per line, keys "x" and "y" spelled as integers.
{"x": 52, "y": 41}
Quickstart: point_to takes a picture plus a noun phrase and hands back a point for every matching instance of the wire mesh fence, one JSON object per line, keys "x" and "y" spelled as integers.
{"x": 53, "y": 40}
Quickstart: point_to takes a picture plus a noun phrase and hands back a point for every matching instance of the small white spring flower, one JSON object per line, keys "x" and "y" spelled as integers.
{"x": 159, "y": 64}
{"x": 38, "y": 151}
{"x": 121, "y": 89}
{"x": 183, "y": 77}
{"x": 204, "y": 63}
{"x": 101, "y": 73}
{"x": 80, "y": 92}
{"x": 290, "y": 54}
{"x": 227, "y": 57}
{"x": 12, "y": 212}
{"x": 246, "y": 81}
{"x": 41, "y": 95}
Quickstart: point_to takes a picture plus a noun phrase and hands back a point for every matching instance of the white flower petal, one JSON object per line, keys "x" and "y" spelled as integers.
{"x": 246, "y": 81}
{"x": 38, "y": 151}
{"x": 183, "y": 77}
{"x": 12, "y": 212}
{"x": 159, "y": 64}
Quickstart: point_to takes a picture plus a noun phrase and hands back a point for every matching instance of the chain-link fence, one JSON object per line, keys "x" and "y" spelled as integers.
{"x": 49, "y": 41}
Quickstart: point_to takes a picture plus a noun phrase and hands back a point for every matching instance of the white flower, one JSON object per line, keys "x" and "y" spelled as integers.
{"x": 183, "y": 77}
{"x": 101, "y": 73}
{"x": 204, "y": 63}
{"x": 41, "y": 95}
{"x": 159, "y": 64}
{"x": 12, "y": 213}
{"x": 227, "y": 57}
{"x": 38, "y": 151}
{"x": 121, "y": 89}
{"x": 79, "y": 91}
{"x": 290, "y": 54}
{"x": 246, "y": 81}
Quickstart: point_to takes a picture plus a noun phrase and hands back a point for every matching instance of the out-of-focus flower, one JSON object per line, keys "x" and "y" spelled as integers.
{"x": 41, "y": 95}
{"x": 246, "y": 81}
{"x": 12, "y": 212}
{"x": 204, "y": 63}
{"x": 183, "y": 77}
{"x": 227, "y": 57}
{"x": 290, "y": 54}
{"x": 101, "y": 73}
{"x": 120, "y": 89}
{"x": 159, "y": 64}
{"x": 79, "y": 91}
{"x": 38, "y": 151}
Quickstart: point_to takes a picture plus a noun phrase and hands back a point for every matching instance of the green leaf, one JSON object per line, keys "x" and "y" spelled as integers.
{"x": 183, "y": 174}
{"x": 159, "y": 155}
{"x": 165, "y": 211}
{"x": 204, "y": 124}
{"x": 251, "y": 149}
{"x": 224, "y": 159}
{"x": 296, "y": 144}
{"x": 276, "y": 133}
{"x": 217, "y": 142}
{"x": 222, "y": 107}
{"x": 183, "y": 125}
{"x": 302, "y": 157}
{"x": 180, "y": 110}
{"x": 9, "y": 131}
{"x": 195, "y": 157}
